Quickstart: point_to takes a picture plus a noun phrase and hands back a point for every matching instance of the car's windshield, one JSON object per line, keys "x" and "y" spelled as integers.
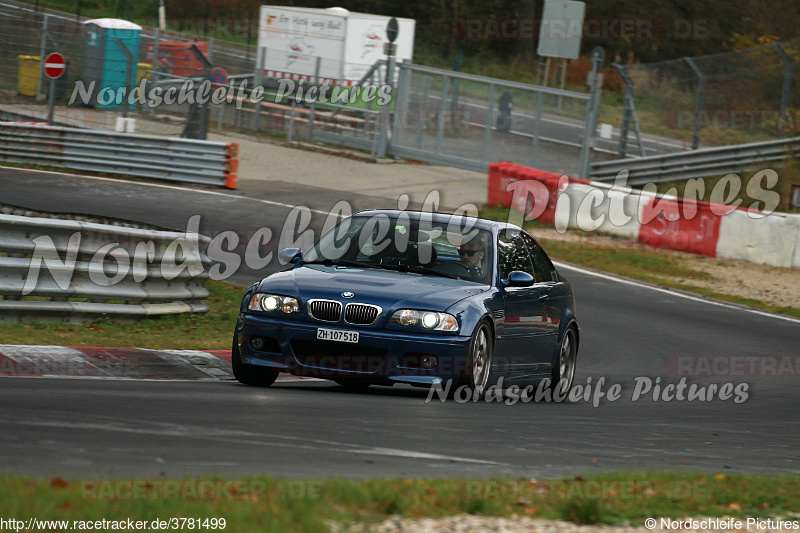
{"x": 426, "y": 247}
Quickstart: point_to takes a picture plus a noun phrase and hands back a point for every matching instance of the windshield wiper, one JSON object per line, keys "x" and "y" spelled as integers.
{"x": 419, "y": 270}
{"x": 341, "y": 262}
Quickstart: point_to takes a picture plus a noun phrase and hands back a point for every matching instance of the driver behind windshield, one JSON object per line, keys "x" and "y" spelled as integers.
{"x": 473, "y": 256}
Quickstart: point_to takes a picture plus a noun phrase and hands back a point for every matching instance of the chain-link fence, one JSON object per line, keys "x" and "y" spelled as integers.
{"x": 169, "y": 61}
{"x": 424, "y": 113}
{"x": 743, "y": 96}
{"x": 470, "y": 121}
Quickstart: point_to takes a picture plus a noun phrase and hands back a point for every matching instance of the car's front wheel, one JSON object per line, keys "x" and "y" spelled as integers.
{"x": 480, "y": 359}
{"x": 564, "y": 369}
{"x": 250, "y": 374}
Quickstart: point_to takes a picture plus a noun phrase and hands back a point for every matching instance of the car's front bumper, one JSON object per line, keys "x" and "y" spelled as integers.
{"x": 380, "y": 355}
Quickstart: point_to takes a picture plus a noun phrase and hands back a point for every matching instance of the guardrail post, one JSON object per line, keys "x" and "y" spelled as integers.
{"x": 699, "y": 104}
{"x": 787, "y": 84}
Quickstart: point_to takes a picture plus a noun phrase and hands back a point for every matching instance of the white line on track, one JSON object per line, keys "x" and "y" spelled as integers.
{"x": 246, "y": 437}
{"x": 673, "y": 293}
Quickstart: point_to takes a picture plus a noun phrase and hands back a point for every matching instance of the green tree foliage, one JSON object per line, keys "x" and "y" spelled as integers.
{"x": 643, "y": 31}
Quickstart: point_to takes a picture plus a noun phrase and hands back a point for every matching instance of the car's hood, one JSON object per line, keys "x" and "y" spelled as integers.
{"x": 388, "y": 289}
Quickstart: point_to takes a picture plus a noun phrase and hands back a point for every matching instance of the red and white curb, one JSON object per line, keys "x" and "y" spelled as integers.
{"x": 23, "y": 360}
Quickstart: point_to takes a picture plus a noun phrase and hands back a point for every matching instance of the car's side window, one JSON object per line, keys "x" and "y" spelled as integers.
{"x": 512, "y": 253}
{"x": 542, "y": 266}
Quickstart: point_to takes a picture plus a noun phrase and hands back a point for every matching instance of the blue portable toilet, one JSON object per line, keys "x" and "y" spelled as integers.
{"x": 104, "y": 62}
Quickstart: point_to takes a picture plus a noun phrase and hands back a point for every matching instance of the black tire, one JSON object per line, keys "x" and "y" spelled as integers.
{"x": 563, "y": 373}
{"x": 479, "y": 363}
{"x": 250, "y": 374}
{"x": 353, "y": 384}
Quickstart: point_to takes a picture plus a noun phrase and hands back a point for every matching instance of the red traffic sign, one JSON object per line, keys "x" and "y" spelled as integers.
{"x": 55, "y": 65}
{"x": 219, "y": 77}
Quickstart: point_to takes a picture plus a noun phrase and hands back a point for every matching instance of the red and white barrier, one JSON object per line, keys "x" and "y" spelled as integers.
{"x": 661, "y": 221}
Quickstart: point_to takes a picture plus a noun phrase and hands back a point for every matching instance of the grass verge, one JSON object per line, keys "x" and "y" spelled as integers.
{"x": 266, "y": 504}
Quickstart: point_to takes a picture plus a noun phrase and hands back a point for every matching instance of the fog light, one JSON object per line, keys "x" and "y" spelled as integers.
{"x": 257, "y": 343}
{"x": 430, "y": 361}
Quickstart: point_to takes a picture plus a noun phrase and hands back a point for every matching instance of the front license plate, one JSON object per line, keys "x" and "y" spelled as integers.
{"x": 337, "y": 335}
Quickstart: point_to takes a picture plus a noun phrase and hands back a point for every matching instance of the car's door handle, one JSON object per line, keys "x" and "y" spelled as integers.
{"x": 544, "y": 297}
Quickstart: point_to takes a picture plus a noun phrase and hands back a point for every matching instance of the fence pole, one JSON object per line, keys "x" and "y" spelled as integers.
{"x": 487, "y": 127}
{"x": 700, "y": 103}
{"x": 401, "y": 109}
{"x": 384, "y": 140}
{"x": 626, "y": 109}
{"x": 154, "y": 74}
{"x": 312, "y": 114}
{"x": 290, "y": 133}
{"x": 592, "y": 108}
{"x": 42, "y": 48}
{"x": 442, "y": 107}
{"x": 258, "y": 80}
{"x": 423, "y": 109}
{"x": 128, "y": 73}
{"x": 787, "y": 85}
{"x": 535, "y": 148}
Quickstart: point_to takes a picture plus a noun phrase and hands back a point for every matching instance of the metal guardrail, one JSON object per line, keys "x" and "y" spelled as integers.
{"x": 173, "y": 159}
{"x": 49, "y": 274}
{"x": 680, "y": 166}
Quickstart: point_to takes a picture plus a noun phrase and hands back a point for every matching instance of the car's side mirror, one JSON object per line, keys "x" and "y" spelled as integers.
{"x": 518, "y": 278}
{"x": 290, "y": 255}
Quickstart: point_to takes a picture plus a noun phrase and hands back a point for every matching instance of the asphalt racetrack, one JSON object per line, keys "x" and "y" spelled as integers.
{"x": 309, "y": 429}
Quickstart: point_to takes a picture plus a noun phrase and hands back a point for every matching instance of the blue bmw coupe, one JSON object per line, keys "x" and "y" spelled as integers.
{"x": 412, "y": 297}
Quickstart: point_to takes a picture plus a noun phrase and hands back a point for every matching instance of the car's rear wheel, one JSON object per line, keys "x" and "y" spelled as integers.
{"x": 250, "y": 374}
{"x": 481, "y": 348}
{"x": 564, "y": 369}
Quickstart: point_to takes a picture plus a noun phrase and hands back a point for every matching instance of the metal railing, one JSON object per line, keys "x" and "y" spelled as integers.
{"x": 173, "y": 159}
{"x": 696, "y": 163}
{"x": 66, "y": 270}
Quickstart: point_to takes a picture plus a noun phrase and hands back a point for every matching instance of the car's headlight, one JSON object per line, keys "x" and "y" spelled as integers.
{"x": 425, "y": 319}
{"x": 273, "y": 302}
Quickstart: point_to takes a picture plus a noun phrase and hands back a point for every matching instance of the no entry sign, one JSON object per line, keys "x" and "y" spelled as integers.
{"x": 54, "y": 65}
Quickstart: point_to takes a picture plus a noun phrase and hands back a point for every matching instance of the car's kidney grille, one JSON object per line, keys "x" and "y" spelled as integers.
{"x": 327, "y": 310}
{"x": 360, "y": 313}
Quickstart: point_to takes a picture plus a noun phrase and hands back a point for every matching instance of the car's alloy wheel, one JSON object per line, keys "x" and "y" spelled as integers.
{"x": 250, "y": 374}
{"x": 480, "y": 361}
{"x": 564, "y": 371}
